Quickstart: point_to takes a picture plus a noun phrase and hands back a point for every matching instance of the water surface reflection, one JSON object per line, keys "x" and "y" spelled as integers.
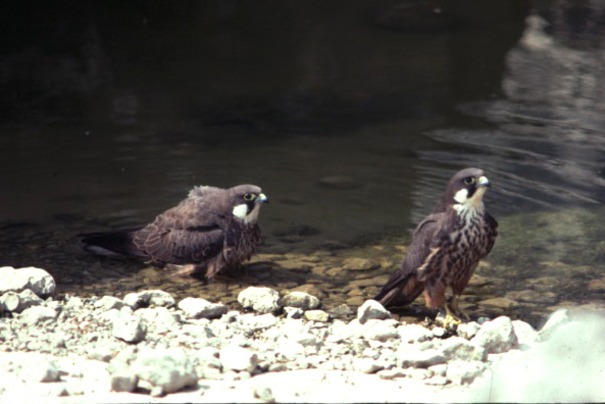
{"x": 353, "y": 140}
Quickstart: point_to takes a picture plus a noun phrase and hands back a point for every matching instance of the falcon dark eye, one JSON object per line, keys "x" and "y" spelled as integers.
{"x": 249, "y": 197}
{"x": 469, "y": 180}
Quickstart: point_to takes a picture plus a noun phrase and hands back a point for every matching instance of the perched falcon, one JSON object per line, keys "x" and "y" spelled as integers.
{"x": 446, "y": 248}
{"x": 212, "y": 229}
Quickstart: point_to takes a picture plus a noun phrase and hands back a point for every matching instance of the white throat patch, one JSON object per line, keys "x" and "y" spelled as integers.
{"x": 461, "y": 196}
{"x": 241, "y": 213}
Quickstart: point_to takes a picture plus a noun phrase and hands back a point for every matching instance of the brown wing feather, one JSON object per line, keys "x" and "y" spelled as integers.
{"x": 191, "y": 232}
{"x": 404, "y": 287}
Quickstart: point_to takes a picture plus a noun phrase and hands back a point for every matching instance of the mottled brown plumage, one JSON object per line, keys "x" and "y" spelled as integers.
{"x": 446, "y": 246}
{"x": 212, "y": 229}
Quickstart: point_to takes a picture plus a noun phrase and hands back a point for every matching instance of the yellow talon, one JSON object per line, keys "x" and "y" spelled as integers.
{"x": 451, "y": 320}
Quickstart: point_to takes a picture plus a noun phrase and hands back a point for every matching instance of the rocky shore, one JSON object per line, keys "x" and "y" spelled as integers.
{"x": 148, "y": 347}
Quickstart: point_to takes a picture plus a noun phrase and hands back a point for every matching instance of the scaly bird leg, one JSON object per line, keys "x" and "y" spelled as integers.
{"x": 454, "y": 306}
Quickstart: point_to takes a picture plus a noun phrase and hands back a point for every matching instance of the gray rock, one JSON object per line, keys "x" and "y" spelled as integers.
{"x": 366, "y": 365}
{"x": 462, "y": 349}
{"x": 411, "y": 355}
{"x": 438, "y": 332}
{"x": 260, "y": 299}
{"x": 123, "y": 380}
{"x": 207, "y": 359}
{"x": 201, "y": 308}
{"x": 37, "y": 314}
{"x": 250, "y": 323}
{"x": 108, "y": 303}
{"x": 301, "y": 300}
{"x": 36, "y": 279}
{"x": 389, "y": 374}
{"x": 293, "y": 312}
{"x": 359, "y": 264}
{"x": 149, "y": 298}
{"x": 496, "y": 336}
{"x": 236, "y": 358}
{"x": 197, "y": 331}
{"x": 74, "y": 302}
{"x": 164, "y": 370}
{"x": 290, "y": 350}
{"x": 526, "y": 335}
{"x": 555, "y": 320}
{"x": 378, "y": 330}
{"x": 438, "y": 370}
{"x": 264, "y": 394}
{"x": 160, "y": 318}
{"x": 129, "y": 328}
{"x": 460, "y": 372}
{"x": 372, "y": 310}
{"x": 39, "y": 369}
{"x": 17, "y": 302}
{"x": 317, "y": 315}
{"x": 341, "y": 311}
{"x": 411, "y": 333}
{"x": 468, "y": 330}
{"x": 305, "y": 339}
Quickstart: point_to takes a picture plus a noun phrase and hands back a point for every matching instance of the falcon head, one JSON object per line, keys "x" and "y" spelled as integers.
{"x": 246, "y": 201}
{"x": 465, "y": 190}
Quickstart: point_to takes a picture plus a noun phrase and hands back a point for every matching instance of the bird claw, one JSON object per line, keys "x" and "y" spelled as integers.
{"x": 452, "y": 315}
{"x": 450, "y": 321}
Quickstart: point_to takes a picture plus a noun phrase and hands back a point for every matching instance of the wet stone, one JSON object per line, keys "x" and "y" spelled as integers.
{"x": 341, "y": 311}
{"x": 532, "y": 296}
{"x": 359, "y": 264}
{"x": 499, "y": 302}
{"x": 597, "y": 285}
{"x": 310, "y": 289}
{"x": 301, "y": 300}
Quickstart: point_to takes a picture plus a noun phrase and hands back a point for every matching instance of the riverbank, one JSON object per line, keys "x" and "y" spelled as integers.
{"x": 147, "y": 346}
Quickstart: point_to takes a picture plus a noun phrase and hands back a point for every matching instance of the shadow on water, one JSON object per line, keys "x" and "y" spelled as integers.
{"x": 352, "y": 126}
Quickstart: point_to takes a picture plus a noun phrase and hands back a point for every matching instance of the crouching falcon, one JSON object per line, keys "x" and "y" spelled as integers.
{"x": 446, "y": 248}
{"x": 211, "y": 230}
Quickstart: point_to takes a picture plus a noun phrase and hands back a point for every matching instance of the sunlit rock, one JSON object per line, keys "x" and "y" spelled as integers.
{"x": 496, "y": 336}
{"x": 260, "y": 299}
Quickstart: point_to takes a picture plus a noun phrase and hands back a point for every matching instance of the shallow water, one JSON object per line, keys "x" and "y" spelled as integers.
{"x": 352, "y": 140}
